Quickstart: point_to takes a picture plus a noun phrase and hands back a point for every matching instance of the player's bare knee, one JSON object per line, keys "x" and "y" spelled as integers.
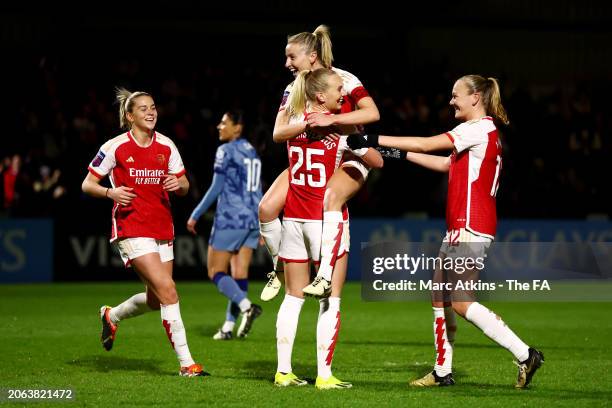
{"x": 266, "y": 211}
{"x": 240, "y": 273}
{"x": 167, "y": 292}
{"x": 332, "y": 200}
{"x": 214, "y": 271}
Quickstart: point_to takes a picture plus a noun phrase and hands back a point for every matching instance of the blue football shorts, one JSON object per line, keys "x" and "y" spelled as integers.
{"x": 232, "y": 240}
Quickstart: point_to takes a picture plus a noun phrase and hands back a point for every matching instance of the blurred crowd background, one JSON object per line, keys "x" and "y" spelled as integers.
{"x": 198, "y": 61}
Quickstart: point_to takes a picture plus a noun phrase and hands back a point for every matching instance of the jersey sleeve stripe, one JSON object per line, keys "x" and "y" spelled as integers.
{"x": 92, "y": 171}
{"x": 180, "y": 173}
{"x": 450, "y": 136}
{"x": 359, "y": 93}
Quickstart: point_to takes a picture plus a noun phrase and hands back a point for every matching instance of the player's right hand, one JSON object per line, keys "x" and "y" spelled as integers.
{"x": 357, "y": 141}
{"x": 191, "y": 223}
{"x": 123, "y": 195}
{"x": 332, "y": 137}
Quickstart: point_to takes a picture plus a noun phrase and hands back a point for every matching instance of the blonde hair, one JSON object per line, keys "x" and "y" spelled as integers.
{"x": 318, "y": 41}
{"x": 305, "y": 88}
{"x": 491, "y": 96}
{"x": 125, "y": 99}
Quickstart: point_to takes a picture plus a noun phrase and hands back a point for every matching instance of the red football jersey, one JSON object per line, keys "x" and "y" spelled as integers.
{"x": 311, "y": 164}
{"x": 300, "y": 204}
{"x": 473, "y": 178}
{"x": 352, "y": 91}
{"x": 143, "y": 168}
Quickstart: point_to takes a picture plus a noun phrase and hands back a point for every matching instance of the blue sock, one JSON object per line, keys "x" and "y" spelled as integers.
{"x": 228, "y": 287}
{"x": 244, "y": 284}
{"x": 232, "y": 312}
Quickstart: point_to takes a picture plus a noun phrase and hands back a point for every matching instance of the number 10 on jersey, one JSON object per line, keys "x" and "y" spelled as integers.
{"x": 253, "y": 168}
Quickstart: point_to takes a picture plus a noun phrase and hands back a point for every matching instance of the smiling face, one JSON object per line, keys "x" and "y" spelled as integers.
{"x": 143, "y": 114}
{"x": 228, "y": 130}
{"x": 466, "y": 105}
{"x": 297, "y": 59}
{"x": 331, "y": 98}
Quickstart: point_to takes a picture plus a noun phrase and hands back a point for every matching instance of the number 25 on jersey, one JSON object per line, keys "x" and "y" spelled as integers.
{"x": 302, "y": 175}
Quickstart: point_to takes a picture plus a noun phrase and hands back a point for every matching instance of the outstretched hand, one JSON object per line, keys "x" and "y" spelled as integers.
{"x": 357, "y": 141}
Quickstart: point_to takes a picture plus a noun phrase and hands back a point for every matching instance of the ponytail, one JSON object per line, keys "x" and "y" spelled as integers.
{"x": 318, "y": 41}
{"x": 296, "y": 105}
{"x": 495, "y": 106}
{"x": 490, "y": 93}
{"x": 324, "y": 45}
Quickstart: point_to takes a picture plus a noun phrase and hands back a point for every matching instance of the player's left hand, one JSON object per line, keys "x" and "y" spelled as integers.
{"x": 171, "y": 183}
{"x": 332, "y": 137}
{"x": 320, "y": 120}
{"x": 191, "y": 224}
{"x": 357, "y": 141}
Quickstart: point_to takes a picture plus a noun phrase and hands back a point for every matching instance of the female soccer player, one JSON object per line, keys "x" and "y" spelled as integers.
{"x": 235, "y": 233}
{"x": 474, "y": 169}
{"x": 311, "y": 164}
{"x": 309, "y": 51}
{"x": 143, "y": 166}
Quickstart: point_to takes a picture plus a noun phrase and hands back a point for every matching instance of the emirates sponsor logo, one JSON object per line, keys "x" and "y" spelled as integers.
{"x": 147, "y": 176}
{"x": 146, "y": 172}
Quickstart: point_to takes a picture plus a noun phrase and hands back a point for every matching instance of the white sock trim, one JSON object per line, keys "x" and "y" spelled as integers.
{"x": 286, "y": 329}
{"x": 244, "y": 305}
{"x": 132, "y": 307}
{"x": 228, "y": 326}
{"x": 177, "y": 335}
{"x": 444, "y": 351}
{"x": 495, "y": 328}
{"x": 271, "y": 232}
{"x": 330, "y": 236}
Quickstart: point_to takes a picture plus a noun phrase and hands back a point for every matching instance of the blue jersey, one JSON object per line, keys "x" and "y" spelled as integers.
{"x": 240, "y": 166}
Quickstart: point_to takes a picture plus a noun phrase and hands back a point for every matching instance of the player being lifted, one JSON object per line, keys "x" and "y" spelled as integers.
{"x": 309, "y": 51}
{"x": 236, "y": 186}
{"x": 312, "y": 162}
{"x": 474, "y": 169}
{"x": 143, "y": 166}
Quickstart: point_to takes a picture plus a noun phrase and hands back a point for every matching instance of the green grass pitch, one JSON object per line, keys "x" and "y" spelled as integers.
{"x": 50, "y": 339}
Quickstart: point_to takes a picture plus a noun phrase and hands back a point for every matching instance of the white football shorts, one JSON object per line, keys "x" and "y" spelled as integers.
{"x": 301, "y": 241}
{"x": 462, "y": 242}
{"x": 132, "y": 248}
{"x": 354, "y": 161}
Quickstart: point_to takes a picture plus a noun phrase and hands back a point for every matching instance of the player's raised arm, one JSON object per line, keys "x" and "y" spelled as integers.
{"x": 367, "y": 112}
{"x": 407, "y": 143}
{"x": 430, "y": 161}
{"x": 283, "y": 130}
